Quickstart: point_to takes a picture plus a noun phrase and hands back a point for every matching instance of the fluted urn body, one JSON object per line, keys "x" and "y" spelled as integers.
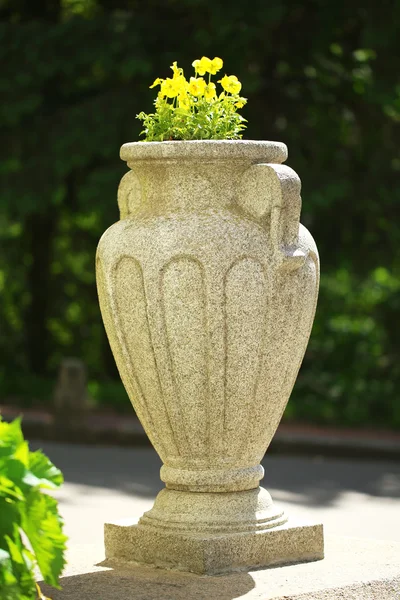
{"x": 208, "y": 286}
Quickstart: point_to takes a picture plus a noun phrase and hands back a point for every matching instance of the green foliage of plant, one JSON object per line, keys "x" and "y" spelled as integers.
{"x": 321, "y": 77}
{"x": 196, "y": 110}
{"x": 352, "y": 362}
{"x": 30, "y": 527}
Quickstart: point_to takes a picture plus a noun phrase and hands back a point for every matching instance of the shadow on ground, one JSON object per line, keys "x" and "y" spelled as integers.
{"x": 142, "y": 583}
{"x": 312, "y": 481}
{"x": 319, "y": 482}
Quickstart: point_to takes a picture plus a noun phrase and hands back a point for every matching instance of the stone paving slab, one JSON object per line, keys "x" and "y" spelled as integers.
{"x": 353, "y": 569}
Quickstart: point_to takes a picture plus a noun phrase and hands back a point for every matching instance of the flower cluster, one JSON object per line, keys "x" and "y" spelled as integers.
{"x": 194, "y": 109}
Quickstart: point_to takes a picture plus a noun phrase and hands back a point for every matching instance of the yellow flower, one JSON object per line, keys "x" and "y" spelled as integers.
{"x": 176, "y": 70}
{"x": 169, "y": 88}
{"x": 197, "y": 86}
{"x": 178, "y": 78}
{"x": 202, "y": 66}
{"x": 181, "y": 84}
{"x": 157, "y": 81}
{"x": 216, "y": 65}
{"x": 241, "y": 102}
{"x": 184, "y": 101}
{"x": 209, "y": 91}
{"x": 231, "y": 84}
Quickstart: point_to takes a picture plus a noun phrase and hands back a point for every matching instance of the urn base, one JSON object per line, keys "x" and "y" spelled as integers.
{"x": 212, "y": 533}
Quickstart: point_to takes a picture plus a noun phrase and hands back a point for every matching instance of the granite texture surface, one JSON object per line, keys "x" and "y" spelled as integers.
{"x": 213, "y": 553}
{"x": 208, "y": 287}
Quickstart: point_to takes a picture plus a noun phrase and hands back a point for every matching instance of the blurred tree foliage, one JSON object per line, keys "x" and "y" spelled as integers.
{"x": 321, "y": 76}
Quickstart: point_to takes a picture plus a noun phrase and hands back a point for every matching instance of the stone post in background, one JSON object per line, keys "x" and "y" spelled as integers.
{"x": 71, "y": 400}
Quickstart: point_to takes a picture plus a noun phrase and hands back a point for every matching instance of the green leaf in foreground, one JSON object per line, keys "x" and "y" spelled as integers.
{"x": 42, "y": 472}
{"x": 43, "y": 526}
{"x": 26, "y": 513}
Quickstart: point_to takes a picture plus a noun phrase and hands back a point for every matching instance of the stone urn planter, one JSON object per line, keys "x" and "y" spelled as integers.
{"x": 208, "y": 287}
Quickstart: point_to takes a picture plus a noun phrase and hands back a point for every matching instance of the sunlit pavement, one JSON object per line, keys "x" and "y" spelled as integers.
{"x": 352, "y": 498}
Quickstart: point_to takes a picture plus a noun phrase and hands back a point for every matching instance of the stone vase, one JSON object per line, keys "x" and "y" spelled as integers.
{"x": 208, "y": 286}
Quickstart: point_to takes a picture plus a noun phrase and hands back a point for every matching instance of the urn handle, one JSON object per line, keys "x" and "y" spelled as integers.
{"x": 271, "y": 194}
{"x": 129, "y": 194}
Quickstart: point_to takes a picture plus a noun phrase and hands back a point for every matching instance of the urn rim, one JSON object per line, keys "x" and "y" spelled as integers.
{"x": 248, "y": 150}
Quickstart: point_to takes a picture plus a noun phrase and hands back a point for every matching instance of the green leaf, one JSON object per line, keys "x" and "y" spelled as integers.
{"x": 14, "y": 469}
{"x": 5, "y": 558}
{"x": 22, "y": 453}
{"x": 9, "y": 489}
{"x": 42, "y": 472}
{"x": 15, "y": 551}
{"x": 9, "y": 516}
{"x": 43, "y": 526}
{"x": 21, "y": 563}
{"x": 25, "y": 509}
{"x": 16, "y": 575}
{"x": 10, "y": 437}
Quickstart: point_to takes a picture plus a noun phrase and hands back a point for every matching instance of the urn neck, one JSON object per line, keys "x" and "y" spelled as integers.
{"x": 185, "y": 185}
{"x": 188, "y": 176}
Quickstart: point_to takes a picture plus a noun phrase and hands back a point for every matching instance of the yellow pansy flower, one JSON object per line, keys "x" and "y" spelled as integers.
{"x": 178, "y": 77}
{"x": 197, "y": 86}
{"x": 216, "y": 65}
{"x": 181, "y": 84}
{"x": 169, "y": 88}
{"x": 202, "y": 66}
{"x": 184, "y": 101}
{"x": 176, "y": 70}
{"x": 209, "y": 91}
{"x": 241, "y": 102}
{"x": 157, "y": 81}
{"x": 231, "y": 84}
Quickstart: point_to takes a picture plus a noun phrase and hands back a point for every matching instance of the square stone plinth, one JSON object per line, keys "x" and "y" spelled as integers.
{"x": 214, "y": 554}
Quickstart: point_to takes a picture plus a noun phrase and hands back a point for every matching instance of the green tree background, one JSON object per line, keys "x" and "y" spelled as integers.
{"x": 323, "y": 77}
